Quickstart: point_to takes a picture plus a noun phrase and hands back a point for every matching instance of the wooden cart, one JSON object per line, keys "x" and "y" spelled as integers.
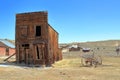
{"x": 90, "y": 59}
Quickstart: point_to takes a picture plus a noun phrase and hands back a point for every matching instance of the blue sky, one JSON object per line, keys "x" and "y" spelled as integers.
{"x": 74, "y": 20}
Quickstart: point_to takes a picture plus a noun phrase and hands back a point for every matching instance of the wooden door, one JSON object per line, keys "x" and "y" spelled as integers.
{"x": 40, "y": 51}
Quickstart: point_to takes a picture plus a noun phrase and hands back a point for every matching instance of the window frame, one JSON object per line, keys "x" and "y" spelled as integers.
{"x": 39, "y": 34}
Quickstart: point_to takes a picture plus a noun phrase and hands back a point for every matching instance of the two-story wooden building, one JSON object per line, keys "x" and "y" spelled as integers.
{"x": 36, "y": 40}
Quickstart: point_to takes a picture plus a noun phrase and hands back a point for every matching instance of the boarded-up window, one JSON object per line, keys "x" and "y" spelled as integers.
{"x": 38, "y": 31}
{"x": 24, "y": 31}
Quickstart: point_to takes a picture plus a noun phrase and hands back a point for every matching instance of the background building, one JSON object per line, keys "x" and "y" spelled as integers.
{"x": 6, "y": 48}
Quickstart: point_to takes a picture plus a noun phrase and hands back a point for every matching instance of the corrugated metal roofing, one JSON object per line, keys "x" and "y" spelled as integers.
{"x": 7, "y": 43}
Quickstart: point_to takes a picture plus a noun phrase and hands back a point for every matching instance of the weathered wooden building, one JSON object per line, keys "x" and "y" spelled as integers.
{"x": 36, "y": 40}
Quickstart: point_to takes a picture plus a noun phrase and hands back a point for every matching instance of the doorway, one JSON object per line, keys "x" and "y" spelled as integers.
{"x": 40, "y": 51}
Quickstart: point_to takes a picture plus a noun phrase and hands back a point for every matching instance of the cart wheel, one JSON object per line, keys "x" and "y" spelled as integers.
{"x": 99, "y": 60}
{"x": 83, "y": 62}
{"x": 94, "y": 63}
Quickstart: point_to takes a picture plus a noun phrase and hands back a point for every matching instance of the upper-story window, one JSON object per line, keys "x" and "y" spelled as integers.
{"x": 24, "y": 31}
{"x": 38, "y": 31}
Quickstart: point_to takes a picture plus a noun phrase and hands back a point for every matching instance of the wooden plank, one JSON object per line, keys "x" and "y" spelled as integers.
{"x": 9, "y": 57}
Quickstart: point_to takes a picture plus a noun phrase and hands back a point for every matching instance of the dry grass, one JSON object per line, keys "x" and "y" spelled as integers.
{"x": 67, "y": 69}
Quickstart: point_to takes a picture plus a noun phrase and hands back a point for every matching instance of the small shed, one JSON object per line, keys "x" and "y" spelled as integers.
{"x": 74, "y": 48}
{"x": 6, "y": 48}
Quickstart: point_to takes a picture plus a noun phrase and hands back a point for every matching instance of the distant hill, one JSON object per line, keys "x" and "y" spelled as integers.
{"x": 110, "y": 43}
{"x": 102, "y": 43}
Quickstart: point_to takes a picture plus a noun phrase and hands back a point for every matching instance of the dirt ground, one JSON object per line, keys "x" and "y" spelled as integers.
{"x": 68, "y": 69}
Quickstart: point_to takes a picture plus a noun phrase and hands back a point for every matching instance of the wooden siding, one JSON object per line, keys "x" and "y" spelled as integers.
{"x": 33, "y": 47}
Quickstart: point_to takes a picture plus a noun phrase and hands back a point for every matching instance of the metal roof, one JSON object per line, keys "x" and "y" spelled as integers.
{"x": 7, "y": 43}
